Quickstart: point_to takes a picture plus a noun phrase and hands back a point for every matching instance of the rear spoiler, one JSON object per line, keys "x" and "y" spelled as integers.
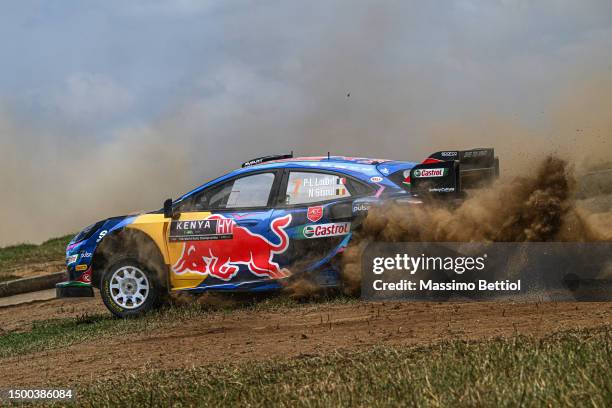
{"x": 450, "y": 172}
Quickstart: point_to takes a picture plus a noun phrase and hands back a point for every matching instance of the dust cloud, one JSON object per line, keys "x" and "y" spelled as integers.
{"x": 539, "y": 207}
{"x": 391, "y": 80}
{"x": 53, "y": 184}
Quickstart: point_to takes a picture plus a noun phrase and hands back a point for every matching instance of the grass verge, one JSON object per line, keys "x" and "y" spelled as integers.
{"x": 8, "y": 277}
{"x": 567, "y": 369}
{"x": 23, "y": 254}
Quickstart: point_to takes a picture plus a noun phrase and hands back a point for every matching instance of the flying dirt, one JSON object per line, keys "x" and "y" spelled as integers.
{"x": 541, "y": 207}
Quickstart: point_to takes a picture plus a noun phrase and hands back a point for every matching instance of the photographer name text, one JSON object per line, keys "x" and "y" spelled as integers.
{"x": 449, "y": 266}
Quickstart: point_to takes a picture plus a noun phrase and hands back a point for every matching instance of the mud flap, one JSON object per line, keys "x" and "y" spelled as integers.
{"x": 73, "y": 290}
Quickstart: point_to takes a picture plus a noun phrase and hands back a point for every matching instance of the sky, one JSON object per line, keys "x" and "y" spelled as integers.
{"x": 108, "y": 107}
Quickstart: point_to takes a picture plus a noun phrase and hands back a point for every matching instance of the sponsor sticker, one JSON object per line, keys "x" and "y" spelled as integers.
{"x": 422, "y": 173}
{"x": 442, "y": 190}
{"x": 314, "y": 214}
{"x": 376, "y": 179}
{"x": 81, "y": 267}
{"x": 72, "y": 259}
{"x": 220, "y": 260}
{"x": 253, "y": 162}
{"x": 448, "y": 154}
{"x": 201, "y": 230}
{"x": 86, "y": 277}
{"x": 326, "y": 230}
{"x": 101, "y": 236}
{"x": 475, "y": 153}
{"x": 361, "y": 207}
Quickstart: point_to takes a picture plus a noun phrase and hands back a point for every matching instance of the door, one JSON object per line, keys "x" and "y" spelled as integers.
{"x": 320, "y": 203}
{"x": 223, "y": 236}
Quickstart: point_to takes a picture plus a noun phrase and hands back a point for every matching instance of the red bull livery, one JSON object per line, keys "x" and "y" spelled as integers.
{"x": 256, "y": 228}
{"x": 220, "y": 257}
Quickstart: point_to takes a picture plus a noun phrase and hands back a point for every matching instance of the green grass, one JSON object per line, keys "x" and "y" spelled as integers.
{"x": 59, "y": 333}
{"x": 568, "y": 369}
{"x": 23, "y": 254}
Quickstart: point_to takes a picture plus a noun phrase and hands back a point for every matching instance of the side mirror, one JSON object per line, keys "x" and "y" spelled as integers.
{"x": 168, "y": 208}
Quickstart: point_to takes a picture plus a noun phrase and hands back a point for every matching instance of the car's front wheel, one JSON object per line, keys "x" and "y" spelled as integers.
{"x": 129, "y": 289}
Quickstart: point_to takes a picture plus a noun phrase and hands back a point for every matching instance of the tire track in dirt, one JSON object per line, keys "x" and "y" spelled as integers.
{"x": 21, "y": 318}
{"x": 291, "y": 332}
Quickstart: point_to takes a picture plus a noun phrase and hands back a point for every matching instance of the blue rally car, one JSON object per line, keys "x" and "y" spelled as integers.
{"x": 256, "y": 227}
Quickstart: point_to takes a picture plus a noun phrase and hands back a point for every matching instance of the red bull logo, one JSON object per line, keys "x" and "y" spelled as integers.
{"x": 220, "y": 258}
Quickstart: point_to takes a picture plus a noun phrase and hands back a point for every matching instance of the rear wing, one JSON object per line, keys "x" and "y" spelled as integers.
{"x": 450, "y": 172}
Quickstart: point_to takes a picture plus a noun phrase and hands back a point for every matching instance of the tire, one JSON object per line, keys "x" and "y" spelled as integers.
{"x": 128, "y": 289}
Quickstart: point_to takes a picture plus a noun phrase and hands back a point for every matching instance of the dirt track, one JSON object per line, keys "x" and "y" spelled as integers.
{"x": 288, "y": 333}
{"x": 36, "y": 268}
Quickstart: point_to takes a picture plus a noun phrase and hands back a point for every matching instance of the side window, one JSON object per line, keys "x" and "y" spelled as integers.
{"x": 308, "y": 187}
{"x": 244, "y": 192}
{"x": 251, "y": 191}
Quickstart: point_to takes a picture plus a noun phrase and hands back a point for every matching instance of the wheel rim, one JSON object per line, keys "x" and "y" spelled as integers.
{"x": 129, "y": 287}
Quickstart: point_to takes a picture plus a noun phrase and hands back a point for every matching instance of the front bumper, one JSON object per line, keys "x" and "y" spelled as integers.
{"x": 72, "y": 289}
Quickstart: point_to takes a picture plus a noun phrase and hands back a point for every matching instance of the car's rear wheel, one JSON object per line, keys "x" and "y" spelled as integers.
{"x": 129, "y": 289}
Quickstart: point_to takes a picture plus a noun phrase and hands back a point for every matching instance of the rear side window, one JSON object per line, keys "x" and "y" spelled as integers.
{"x": 310, "y": 187}
{"x": 359, "y": 188}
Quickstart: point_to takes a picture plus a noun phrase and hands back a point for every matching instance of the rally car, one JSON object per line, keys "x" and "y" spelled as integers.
{"x": 255, "y": 228}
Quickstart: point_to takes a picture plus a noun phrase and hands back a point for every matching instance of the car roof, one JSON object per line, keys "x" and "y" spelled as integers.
{"x": 359, "y": 167}
{"x": 333, "y": 159}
